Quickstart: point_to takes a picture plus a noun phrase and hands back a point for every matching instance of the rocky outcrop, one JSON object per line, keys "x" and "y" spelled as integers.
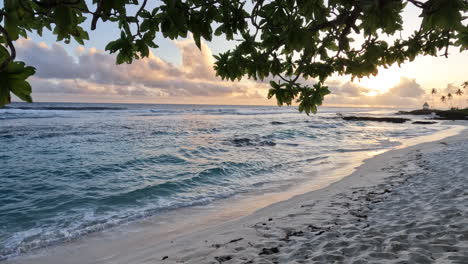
{"x": 376, "y": 119}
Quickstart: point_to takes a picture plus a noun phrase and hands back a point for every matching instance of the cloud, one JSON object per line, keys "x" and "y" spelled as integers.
{"x": 197, "y": 63}
{"x": 347, "y": 89}
{"x": 77, "y": 86}
{"x": 95, "y": 73}
{"x": 407, "y": 88}
{"x": 450, "y": 88}
{"x": 51, "y": 62}
{"x": 407, "y": 93}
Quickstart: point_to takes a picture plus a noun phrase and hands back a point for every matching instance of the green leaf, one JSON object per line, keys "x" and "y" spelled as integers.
{"x": 145, "y": 14}
{"x": 145, "y": 25}
{"x": 4, "y": 96}
{"x": 13, "y": 79}
{"x": 12, "y": 20}
{"x": 132, "y": 19}
{"x": 4, "y": 54}
{"x": 115, "y": 45}
{"x": 196, "y": 38}
{"x": 463, "y": 39}
{"x": 22, "y": 89}
{"x": 219, "y": 31}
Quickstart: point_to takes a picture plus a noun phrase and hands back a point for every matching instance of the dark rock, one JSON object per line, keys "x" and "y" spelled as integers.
{"x": 245, "y": 142}
{"x": 235, "y": 240}
{"x": 267, "y": 143}
{"x": 314, "y": 228}
{"x": 277, "y": 123}
{"x": 165, "y": 257}
{"x": 320, "y": 232}
{"x": 221, "y": 259}
{"x": 377, "y": 119}
{"x": 424, "y": 122}
{"x": 453, "y": 114}
{"x": 297, "y": 233}
{"x": 418, "y": 112}
{"x": 269, "y": 251}
{"x": 359, "y": 215}
{"x": 241, "y": 141}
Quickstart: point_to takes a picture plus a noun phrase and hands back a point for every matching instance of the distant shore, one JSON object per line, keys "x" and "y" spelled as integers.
{"x": 406, "y": 204}
{"x": 452, "y": 114}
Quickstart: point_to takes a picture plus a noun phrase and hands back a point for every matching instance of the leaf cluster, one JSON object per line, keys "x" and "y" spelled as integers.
{"x": 285, "y": 42}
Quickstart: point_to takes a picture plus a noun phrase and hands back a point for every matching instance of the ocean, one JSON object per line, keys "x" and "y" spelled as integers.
{"x": 70, "y": 169}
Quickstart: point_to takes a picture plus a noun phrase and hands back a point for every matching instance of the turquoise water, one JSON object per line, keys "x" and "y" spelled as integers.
{"x": 71, "y": 169}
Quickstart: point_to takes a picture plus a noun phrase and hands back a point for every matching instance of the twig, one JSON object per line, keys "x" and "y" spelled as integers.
{"x": 141, "y": 8}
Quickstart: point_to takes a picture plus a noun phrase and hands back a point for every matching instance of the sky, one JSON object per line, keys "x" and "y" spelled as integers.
{"x": 178, "y": 72}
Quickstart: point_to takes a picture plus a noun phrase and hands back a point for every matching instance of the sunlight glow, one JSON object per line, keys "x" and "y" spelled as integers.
{"x": 372, "y": 93}
{"x": 384, "y": 81}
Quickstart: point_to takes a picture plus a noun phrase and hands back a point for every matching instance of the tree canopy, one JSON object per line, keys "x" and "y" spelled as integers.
{"x": 283, "y": 41}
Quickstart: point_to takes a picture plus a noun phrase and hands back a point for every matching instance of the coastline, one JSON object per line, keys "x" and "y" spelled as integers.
{"x": 249, "y": 231}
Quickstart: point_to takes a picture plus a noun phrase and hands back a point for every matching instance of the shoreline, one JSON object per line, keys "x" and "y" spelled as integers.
{"x": 210, "y": 237}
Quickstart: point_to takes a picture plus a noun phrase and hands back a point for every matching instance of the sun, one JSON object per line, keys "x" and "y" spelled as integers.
{"x": 381, "y": 83}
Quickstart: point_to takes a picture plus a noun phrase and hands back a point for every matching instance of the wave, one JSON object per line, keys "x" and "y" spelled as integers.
{"x": 158, "y": 133}
{"x": 7, "y": 136}
{"x": 164, "y": 196}
{"x": 217, "y": 111}
{"x": 147, "y": 161}
{"x": 326, "y": 125}
{"x": 382, "y": 144}
{"x": 37, "y": 238}
{"x": 66, "y": 108}
{"x": 64, "y": 134}
{"x": 146, "y": 166}
{"x": 356, "y": 150}
{"x": 15, "y": 116}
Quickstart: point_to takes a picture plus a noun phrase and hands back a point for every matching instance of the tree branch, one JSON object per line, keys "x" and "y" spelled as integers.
{"x": 141, "y": 8}
{"x": 96, "y": 15}
{"x": 9, "y": 42}
{"x": 56, "y": 3}
{"x": 204, "y": 4}
{"x": 417, "y": 3}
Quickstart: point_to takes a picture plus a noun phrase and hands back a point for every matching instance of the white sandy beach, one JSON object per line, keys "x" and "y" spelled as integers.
{"x": 408, "y": 205}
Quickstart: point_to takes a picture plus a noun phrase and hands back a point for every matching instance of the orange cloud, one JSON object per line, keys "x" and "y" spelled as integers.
{"x": 407, "y": 93}
{"x": 94, "y": 74}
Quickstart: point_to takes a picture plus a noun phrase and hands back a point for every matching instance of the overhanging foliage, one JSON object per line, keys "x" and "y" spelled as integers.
{"x": 284, "y": 41}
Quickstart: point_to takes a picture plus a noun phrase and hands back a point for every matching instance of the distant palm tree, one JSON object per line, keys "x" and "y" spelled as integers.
{"x": 459, "y": 92}
{"x": 465, "y": 85}
{"x": 443, "y": 99}
{"x": 433, "y": 93}
{"x": 449, "y": 99}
